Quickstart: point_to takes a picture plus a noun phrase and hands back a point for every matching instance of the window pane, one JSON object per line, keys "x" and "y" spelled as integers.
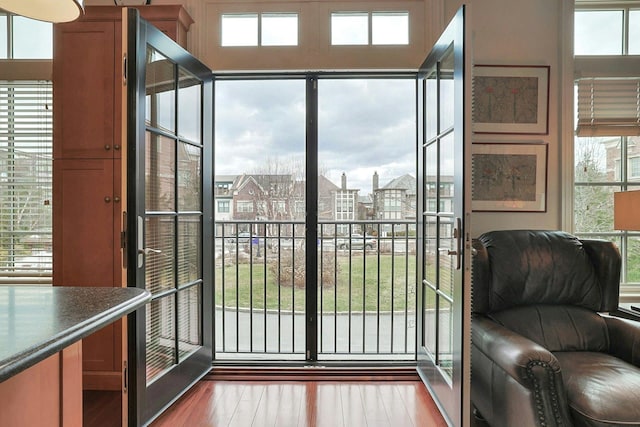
{"x": 634, "y": 32}
{"x": 633, "y": 259}
{"x": 240, "y": 30}
{"x": 3, "y": 37}
{"x": 279, "y": 29}
{"x": 32, "y": 39}
{"x": 390, "y": 28}
{"x": 593, "y": 210}
{"x": 349, "y": 28}
{"x": 597, "y": 159}
{"x": 598, "y": 32}
{"x": 26, "y": 166}
{"x": 633, "y": 151}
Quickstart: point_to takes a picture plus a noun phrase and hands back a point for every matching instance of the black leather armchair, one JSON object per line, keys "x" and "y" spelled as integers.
{"x": 544, "y": 351}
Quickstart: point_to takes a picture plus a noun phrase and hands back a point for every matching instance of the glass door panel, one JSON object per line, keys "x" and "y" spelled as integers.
{"x": 260, "y": 216}
{"x": 366, "y": 208}
{"x": 169, "y": 162}
{"x": 442, "y": 223}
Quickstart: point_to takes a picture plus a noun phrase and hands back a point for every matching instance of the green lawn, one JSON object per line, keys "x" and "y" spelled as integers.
{"x": 245, "y": 287}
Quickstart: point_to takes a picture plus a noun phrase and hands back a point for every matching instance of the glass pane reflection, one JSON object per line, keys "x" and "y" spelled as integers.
{"x": 161, "y": 348}
{"x": 159, "y": 173}
{"x": 160, "y": 111}
{"x": 447, "y": 91}
{"x": 160, "y": 240}
{"x": 189, "y": 106}
{"x": 189, "y": 321}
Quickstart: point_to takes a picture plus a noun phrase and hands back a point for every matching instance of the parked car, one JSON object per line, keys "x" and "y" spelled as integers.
{"x": 243, "y": 237}
{"x": 357, "y": 241}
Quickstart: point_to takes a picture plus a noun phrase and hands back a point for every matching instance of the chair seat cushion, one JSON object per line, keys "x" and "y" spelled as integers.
{"x": 602, "y": 390}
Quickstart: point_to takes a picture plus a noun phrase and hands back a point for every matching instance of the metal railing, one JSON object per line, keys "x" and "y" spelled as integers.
{"x": 366, "y": 290}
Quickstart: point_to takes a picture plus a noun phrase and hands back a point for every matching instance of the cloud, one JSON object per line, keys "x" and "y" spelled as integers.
{"x": 365, "y": 125}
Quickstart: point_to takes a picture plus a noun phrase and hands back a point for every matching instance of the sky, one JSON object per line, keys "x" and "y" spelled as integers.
{"x": 365, "y": 125}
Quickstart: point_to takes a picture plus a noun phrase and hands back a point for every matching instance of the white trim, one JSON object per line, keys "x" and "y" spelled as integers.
{"x": 566, "y": 116}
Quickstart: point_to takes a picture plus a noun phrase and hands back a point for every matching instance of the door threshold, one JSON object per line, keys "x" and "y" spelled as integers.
{"x": 311, "y": 373}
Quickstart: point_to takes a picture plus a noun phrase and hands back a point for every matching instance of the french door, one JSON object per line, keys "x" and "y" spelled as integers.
{"x": 443, "y": 258}
{"x": 169, "y": 216}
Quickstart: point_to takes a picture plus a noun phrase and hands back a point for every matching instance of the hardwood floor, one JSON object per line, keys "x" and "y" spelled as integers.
{"x": 101, "y": 408}
{"x": 219, "y": 403}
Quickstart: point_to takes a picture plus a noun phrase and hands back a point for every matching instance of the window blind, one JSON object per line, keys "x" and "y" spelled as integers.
{"x": 608, "y": 107}
{"x": 26, "y": 173}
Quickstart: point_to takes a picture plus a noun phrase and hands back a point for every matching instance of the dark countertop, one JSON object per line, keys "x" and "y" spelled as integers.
{"x": 38, "y": 321}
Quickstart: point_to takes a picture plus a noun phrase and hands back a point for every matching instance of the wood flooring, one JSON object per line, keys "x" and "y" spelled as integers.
{"x": 219, "y": 403}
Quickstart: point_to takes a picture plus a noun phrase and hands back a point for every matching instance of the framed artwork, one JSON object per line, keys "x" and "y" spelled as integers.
{"x": 511, "y": 99}
{"x": 509, "y": 177}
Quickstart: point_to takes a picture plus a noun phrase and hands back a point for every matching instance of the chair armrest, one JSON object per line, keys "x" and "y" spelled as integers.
{"x": 516, "y": 355}
{"x": 624, "y": 338}
{"x": 515, "y": 381}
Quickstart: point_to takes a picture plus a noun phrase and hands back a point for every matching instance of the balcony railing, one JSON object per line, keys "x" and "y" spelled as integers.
{"x": 366, "y": 290}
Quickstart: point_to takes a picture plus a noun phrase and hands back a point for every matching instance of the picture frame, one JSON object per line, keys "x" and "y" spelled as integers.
{"x": 511, "y": 99}
{"x": 509, "y": 177}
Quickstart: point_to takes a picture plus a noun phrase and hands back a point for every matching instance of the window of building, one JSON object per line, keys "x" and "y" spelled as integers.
{"x": 223, "y": 206}
{"x": 278, "y": 206}
{"x": 364, "y": 28}
{"x": 606, "y": 159}
{"x": 244, "y": 206}
{"x": 266, "y": 29}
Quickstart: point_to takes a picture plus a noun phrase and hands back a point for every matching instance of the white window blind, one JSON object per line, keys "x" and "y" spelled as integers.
{"x": 608, "y": 107}
{"x": 26, "y": 169}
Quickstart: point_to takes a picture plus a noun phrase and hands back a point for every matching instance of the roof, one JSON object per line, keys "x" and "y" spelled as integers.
{"x": 404, "y": 182}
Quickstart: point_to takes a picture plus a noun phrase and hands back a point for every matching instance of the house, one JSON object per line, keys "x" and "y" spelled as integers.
{"x": 507, "y": 33}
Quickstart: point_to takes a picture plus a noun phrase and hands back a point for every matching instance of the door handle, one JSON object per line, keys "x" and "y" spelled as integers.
{"x": 147, "y": 251}
{"x": 457, "y": 235}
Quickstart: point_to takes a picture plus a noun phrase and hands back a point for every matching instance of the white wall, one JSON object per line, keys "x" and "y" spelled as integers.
{"x": 504, "y": 32}
{"x": 522, "y": 32}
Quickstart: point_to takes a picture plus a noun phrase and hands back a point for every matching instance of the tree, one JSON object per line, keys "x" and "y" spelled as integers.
{"x": 593, "y": 203}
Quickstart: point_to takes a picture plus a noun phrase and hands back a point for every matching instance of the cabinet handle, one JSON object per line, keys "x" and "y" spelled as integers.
{"x": 107, "y": 147}
{"x": 116, "y": 146}
{"x": 116, "y": 199}
{"x": 107, "y": 199}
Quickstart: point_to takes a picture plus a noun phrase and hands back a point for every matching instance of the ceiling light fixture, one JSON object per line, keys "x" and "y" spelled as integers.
{"x": 45, "y": 10}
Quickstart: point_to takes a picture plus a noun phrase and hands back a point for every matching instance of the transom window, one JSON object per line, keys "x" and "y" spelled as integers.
{"x": 24, "y": 38}
{"x": 266, "y": 29}
{"x": 375, "y": 28}
{"x": 607, "y": 31}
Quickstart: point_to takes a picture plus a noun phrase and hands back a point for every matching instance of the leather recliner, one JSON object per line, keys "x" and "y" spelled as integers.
{"x": 545, "y": 351}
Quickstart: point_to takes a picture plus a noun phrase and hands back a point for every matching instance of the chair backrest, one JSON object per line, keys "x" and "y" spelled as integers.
{"x": 514, "y": 268}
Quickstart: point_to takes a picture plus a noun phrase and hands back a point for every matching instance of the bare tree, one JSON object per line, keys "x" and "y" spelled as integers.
{"x": 594, "y": 164}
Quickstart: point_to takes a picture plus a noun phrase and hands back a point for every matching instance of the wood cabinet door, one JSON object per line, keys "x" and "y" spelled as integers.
{"x": 83, "y": 217}
{"x": 83, "y": 220}
{"x": 84, "y": 87}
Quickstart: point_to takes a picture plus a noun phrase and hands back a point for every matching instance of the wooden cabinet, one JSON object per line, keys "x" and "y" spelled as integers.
{"x": 46, "y": 394}
{"x": 87, "y": 182}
